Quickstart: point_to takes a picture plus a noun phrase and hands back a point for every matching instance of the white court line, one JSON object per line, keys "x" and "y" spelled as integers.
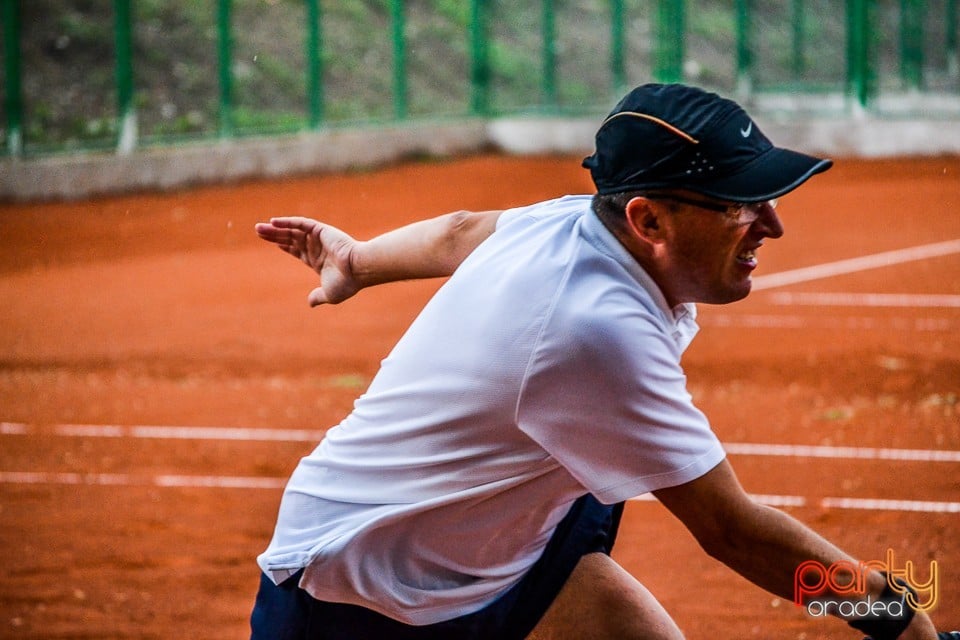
{"x": 891, "y": 505}
{"x": 769, "y": 500}
{"x": 274, "y": 484}
{"x": 129, "y": 480}
{"x": 779, "y": 501}
{"x": 854, "y": 265}
{"x": 841, "y": 453}
{"x": 226, "y": 482}
{"x": 861, "y": 323}
{"x": 165, "y": 432}
{"x": 240, "y": 482}
{"x": 36, "y": 477}
{"x": 13, "y": 429}
{"x": 192, "y": 433}
{"x": 938, "y": 301}
{"x": 862, "y": 504}
{"x": 305, "y": 435}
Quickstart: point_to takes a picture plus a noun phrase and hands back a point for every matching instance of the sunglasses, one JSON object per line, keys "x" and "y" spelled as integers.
{"x": 738, "y": 210}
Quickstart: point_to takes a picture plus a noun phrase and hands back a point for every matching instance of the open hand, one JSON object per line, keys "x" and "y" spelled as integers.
{"x": 325, "y": 249}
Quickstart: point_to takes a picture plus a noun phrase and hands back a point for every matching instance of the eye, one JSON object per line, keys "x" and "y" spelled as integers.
{"x": 748, "y": 212}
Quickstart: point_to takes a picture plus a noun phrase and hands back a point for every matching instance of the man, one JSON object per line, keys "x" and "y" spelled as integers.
{"x": 475, "y": 489}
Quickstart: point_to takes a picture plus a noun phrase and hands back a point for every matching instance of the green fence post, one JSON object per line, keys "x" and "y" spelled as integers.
{"x": 669, "y": 48}
{"x": 549, "y": 55}
{"x": 798, "y": 59}
{"x": 618, "y": 67}
{"x": 953, "y": 63}
{"x": 126, "y": 112}
{"x": 399, "y": 61}
{"x": 860, "y": 80}
{"x": 911, "y": 43}
{"x": 13, "y": 100}
{"x": 225, "y": 55}
{"x": 479, "y": 59}
{"x": 314, "y": 65}
{"x": 744, "y": 47}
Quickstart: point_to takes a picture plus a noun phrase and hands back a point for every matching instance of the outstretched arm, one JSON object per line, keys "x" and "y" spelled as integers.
{"x": 425, "y": 249}
{"x": 760, "y": 543}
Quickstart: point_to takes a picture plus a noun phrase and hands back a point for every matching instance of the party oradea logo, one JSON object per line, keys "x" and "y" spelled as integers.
{"x": 840, "y": 589}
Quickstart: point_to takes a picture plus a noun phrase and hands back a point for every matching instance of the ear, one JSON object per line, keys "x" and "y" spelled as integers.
{"x": 645, "y": 221}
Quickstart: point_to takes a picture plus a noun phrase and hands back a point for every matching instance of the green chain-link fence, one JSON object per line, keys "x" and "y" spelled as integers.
{"x": 122, "y": 74}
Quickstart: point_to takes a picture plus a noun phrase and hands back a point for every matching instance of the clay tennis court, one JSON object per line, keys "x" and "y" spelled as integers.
{"x": 161, "y": 375}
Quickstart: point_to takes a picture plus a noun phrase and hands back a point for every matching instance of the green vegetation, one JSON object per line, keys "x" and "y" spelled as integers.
{"x": 70, "y": 96}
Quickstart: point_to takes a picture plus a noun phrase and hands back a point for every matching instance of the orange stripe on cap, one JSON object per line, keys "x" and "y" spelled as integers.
{"x": 666, "y": 125}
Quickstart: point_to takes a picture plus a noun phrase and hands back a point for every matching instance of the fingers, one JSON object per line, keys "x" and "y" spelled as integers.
{"x": 295, "y": 222}
{"x": 317, "y": 297}
{"x": 274, "y": 234}
{"x": 283, "y": 229}
{"x": 294, "y": 237}
{"x": 323, "y": 248}
{"x": 278, "y": 231}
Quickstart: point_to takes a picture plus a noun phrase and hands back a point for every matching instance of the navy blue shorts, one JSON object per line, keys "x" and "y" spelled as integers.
{"x": 287, "y": 612}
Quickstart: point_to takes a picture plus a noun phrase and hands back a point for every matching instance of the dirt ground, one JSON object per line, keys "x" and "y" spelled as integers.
{"x": 166, "y": 311}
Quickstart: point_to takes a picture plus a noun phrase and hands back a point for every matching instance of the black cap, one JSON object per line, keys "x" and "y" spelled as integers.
{"x": 679, "y": 137}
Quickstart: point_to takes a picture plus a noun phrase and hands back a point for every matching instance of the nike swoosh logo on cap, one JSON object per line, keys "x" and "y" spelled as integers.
{"x": 746, "y": 132}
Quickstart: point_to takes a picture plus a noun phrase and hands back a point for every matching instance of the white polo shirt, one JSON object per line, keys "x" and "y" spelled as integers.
{"x": 548, "y": 366}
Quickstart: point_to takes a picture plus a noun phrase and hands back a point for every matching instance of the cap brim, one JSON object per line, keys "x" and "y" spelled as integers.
{"x": 770, "y": 175}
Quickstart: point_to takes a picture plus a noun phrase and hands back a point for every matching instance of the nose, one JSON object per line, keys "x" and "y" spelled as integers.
{"x": 768, "y": 222}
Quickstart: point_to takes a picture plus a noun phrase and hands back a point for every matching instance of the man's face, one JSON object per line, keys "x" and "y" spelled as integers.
{"x": 708, "y": 256}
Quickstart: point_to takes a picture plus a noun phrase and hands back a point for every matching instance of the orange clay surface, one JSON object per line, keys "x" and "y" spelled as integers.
{"x": 166, "y": 310}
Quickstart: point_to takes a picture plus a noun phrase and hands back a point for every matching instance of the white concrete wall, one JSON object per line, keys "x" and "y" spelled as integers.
{"x": 83, "y": 175}
{"x": 89, "y": 174}
{"x": 862, "y": 136}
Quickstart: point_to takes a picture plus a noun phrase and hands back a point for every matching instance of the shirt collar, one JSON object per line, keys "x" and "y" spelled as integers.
{"x": 681, "y": 319}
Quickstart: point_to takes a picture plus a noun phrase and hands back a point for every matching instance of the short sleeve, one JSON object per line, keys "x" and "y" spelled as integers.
{"x": 559, "y": 206}
{"x": 606, "y": 397}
